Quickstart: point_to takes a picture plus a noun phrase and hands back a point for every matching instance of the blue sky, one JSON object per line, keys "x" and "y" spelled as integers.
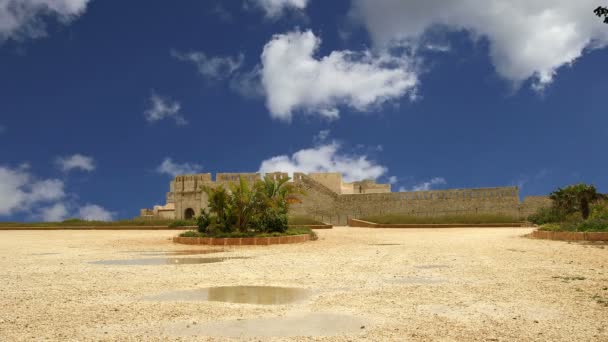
{"x": 104, "y": 101}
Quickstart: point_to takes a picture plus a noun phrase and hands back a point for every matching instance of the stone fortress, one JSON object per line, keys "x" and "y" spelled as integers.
{"x": 329, "y": 199}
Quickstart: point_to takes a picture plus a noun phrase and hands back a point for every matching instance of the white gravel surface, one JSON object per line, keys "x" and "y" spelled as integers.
{"x": 465, "y": 284}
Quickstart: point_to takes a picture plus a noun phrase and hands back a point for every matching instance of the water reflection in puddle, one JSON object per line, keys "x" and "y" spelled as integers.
{"x": 317, "y": 324}
{"x": 163, "y": 261}
{"x": 38, "y": 254}
{"x": 264, "y": 295}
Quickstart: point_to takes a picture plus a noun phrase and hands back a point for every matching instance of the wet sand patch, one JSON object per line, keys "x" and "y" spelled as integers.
{"x": 263, "y": 295}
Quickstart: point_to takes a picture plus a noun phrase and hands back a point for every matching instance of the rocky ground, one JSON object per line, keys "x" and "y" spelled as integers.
{"x": 361, "y": 284}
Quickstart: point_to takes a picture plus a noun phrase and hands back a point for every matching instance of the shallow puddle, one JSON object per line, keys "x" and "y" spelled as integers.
{"x": 37, "y": 254}
{"x": 163, "y": 261}
{"x": 264, "y": 295}
{"x": 385, "y": 244}
{"x": 315, "y": 325}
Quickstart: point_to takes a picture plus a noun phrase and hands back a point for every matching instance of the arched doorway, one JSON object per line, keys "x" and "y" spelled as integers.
{"x": 189, "y": 214}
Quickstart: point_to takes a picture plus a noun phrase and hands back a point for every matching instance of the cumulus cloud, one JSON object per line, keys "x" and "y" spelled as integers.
{"x": 294, "y": 79}
{"x": 212, "y": 67}
{"x": 20, "y": 19}
{"x": 275, "y": 8}
{"x": 325, "y": 158}
{"x": 173, "y": 169}
{"x": 93, "y": 212}
{"x": 20, "y": 191}
{"x": 54, "y": 213}
{"x": 163, "y": 108}
{"x": 428, "y": 185}
{"x": 76, "y": 162}
{"x": 528, "y": 40}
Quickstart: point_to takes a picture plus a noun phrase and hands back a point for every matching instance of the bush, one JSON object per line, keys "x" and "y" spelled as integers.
{"x": 547, "y": 215}
{"x": 599, "y": 210}
{"x": 181, "y": 223}
{"x": 244, "y": 209}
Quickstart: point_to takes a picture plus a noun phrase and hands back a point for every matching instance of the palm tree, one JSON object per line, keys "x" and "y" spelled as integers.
{"x": 276, "y": 192}
{"x": 575, "y": 198}
{"x": 244, "y": 202}
{"x": 219, "y": 204}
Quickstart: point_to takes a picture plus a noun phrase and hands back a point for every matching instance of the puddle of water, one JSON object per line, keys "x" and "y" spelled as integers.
{"x": 264, "y": 295}
{"x": 186, "y": 252}
{"x": 417, "y": 280}
{"x": 385, "y": 244}
{"x": 43, "y": 253}
{"x": 428, "y": 267}
{"x": 317, "y": 324}
{"x": 162, "y": 261}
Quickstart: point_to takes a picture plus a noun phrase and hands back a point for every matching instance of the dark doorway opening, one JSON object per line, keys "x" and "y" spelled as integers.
{"x": 189, "y": 214}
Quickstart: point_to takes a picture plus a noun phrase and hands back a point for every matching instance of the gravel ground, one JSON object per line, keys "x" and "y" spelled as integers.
{"x": 469, "y": 284}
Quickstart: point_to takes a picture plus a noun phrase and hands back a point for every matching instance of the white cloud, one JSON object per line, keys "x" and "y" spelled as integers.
{"x": 293, "y": 79}
{"x": 93, "y": 212}
{"x": 173, "y": 169}
{"x": 54, "y": 213}
{"x": 325, "y": 158}
{"x": 163, "y": 108}
{"x": 428, "y": 185}
{"x": 212, "y": 67}
{"x": 76, "y": 161}
{"x": 392, "y": 179}
{"x": 275, "y": 8}
{"x": 20, "y": 19}
{"x": 20, "y": 191}
{"x": 527, "y": 39}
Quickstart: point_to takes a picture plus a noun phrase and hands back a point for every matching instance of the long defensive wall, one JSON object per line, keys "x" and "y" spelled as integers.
{"x": 328, "y": 199}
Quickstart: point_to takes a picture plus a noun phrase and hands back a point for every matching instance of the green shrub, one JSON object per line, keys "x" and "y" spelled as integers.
{"x": 216, "y": 232}
{"x": 181, "y": 223}
{"x": 190, "y": 233}
{"x": 547, "y": 215}
{"x": 599, "y": 210}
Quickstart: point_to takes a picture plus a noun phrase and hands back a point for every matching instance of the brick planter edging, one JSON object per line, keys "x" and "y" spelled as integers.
{"x": 252, "y": 241}
{"x": 366, "y": 224}
{"x": 569, "y": 236}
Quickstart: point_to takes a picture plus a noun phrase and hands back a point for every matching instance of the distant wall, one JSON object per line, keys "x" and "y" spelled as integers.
{"x": 531, "y": 204}
{"x": 329, "y": 200}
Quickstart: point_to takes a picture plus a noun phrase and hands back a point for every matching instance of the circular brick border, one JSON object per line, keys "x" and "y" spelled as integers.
{"x": 252, "y": 241}
{"x": 569, "y": 236}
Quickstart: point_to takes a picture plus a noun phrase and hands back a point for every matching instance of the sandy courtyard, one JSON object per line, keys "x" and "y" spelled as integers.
{"x": 360, "y": 284}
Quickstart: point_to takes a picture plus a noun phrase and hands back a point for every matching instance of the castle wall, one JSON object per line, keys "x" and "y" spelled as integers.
{"x": 330, "y": 200}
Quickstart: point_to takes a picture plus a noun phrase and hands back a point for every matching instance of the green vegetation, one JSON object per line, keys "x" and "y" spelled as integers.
{"x": 237, "y": 234}
{"x": 575, "y": 208}
{"x": 453, "y": 219}
{"x": 246, "y": 210}
{"x": 84, "y": 223}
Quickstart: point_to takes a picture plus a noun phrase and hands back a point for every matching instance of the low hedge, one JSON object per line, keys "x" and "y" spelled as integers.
{"x": 289, "y": 232}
